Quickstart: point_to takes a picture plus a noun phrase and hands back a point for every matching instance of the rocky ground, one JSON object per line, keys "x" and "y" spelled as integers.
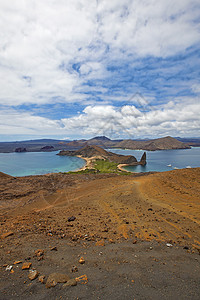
{"x": 138, "y": 235}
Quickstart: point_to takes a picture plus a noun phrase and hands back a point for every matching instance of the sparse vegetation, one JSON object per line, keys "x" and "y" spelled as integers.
{"x": 101, "y": 166}
{"x": 105, "y": 166}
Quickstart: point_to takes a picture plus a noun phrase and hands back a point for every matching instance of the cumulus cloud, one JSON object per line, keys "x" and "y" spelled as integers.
{"x": 50, "y": 48}
{"x": 99, "y": 52}
{"x": 177, "y": 118}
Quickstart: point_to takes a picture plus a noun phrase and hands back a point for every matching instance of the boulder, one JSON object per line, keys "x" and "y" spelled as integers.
{"x": 55, "y": 278}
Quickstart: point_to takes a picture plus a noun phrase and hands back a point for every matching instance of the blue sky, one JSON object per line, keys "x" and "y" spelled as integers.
{"x": 72, "y": 69}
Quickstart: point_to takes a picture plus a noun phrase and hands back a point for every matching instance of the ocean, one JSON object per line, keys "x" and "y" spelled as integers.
{"x": 163, "y": 160}
{"x": 38, "y": 163}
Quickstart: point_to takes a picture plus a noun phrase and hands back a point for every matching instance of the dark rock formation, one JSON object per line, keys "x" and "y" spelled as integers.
{"x": 46, "y": 148}
{"x": 20, "y": 150}
{"x": 143, "y": 159}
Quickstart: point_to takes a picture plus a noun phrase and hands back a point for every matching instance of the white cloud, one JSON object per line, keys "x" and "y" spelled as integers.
{"x": 178, "y": 118}
{"x": 129, "y": 121}
{"x": 41, "y": 40}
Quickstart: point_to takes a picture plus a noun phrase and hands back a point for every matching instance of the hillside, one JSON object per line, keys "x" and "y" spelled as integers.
{"x": 166, "y": 143}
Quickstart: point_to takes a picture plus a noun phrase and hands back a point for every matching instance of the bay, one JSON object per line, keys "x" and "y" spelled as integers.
{"x": 38, "y": 163}
{"x": 163, "y": 160}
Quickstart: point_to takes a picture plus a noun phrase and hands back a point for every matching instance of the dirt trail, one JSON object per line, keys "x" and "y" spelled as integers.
{"x": 162, "y": 207}
{"x": 132, "y": 217}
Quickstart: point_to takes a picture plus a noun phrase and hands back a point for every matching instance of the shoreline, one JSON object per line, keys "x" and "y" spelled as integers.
{"x": 89, "y": 164}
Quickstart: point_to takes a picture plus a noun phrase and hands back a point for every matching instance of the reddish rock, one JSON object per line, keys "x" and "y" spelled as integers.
{"x": 26, "y": 265}
{"x": 17, "y": 262}
{"x": 39, "y": 254}
{"x": 81, "y": 261}
{"x": 33, "y": 274}
{"x": 41, "y": 278}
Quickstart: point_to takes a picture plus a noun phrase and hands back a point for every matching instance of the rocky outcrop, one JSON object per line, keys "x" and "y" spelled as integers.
{"x": 46, "y": 148}
{"x": 21, "y": 149}
{"x": 143, "y": 159}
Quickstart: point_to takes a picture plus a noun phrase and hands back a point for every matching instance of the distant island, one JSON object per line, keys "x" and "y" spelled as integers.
{"x": 92, "y": 153}
{"x": 46, "y": 145}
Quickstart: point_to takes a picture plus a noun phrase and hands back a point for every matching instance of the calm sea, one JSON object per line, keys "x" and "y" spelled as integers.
{"x": 164, "y": 160}
{"x": 37, "y": 163}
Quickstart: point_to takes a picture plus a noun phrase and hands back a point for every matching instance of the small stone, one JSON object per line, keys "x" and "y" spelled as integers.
{"x": 17, "y": 262}
{"x": 33, "y": 274}
{"x": 71, "y": 219}
{"x": 81, "y": 261}
{"x": 54, "y": 248}
{"x": 41, "y": 278}
{"x": 55, "y": 278}
{"x": 100, "y": 243}
{"x": 26, "y": 265}
{"x": 6, "y": 234}
{"x": 74, "y": 269}
{"x": 9, "y": 268}
{"x": 169, "y": 245}
{"x": 70, "y": 282}
{"x": 39, "y": 254}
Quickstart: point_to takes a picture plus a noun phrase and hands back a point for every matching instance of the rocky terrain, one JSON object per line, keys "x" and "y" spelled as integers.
{"x": 100, "y": 236}
{"x": 98, "y": 152}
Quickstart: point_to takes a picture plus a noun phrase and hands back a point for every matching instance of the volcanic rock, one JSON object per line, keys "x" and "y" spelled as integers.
{"x": 26, "y": 265}
{"x": 81, "y": 261}
{"x": 33, "y": 274}
{"x": 55, "y": 278}
{"x": 71, "y": 282}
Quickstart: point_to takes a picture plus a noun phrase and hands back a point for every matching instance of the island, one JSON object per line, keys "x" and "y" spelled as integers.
{"x": 93, "y": 154}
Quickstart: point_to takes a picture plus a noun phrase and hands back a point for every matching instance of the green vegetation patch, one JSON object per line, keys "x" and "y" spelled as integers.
{"x": 102, "y": 166}
{"x": 105, "y": 166}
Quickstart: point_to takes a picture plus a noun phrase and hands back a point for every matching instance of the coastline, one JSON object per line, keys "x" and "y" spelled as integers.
{"x": 121, "y": 168}
{"x": 89, "y": 164}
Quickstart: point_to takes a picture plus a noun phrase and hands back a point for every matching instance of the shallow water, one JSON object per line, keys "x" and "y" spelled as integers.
{"x": 163, "y": 160}
{"x": 38, "y": 163}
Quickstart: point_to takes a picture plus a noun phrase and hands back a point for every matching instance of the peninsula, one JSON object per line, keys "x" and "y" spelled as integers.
{"x": 92, "y": 153}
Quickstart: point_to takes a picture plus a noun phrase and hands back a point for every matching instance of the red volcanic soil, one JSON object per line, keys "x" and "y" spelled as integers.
{"x": 138, "y": 234}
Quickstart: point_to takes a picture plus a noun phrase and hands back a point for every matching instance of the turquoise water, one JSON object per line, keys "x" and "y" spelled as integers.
{"x": 164, "y": 160}
{"x": 37, "y": 163}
